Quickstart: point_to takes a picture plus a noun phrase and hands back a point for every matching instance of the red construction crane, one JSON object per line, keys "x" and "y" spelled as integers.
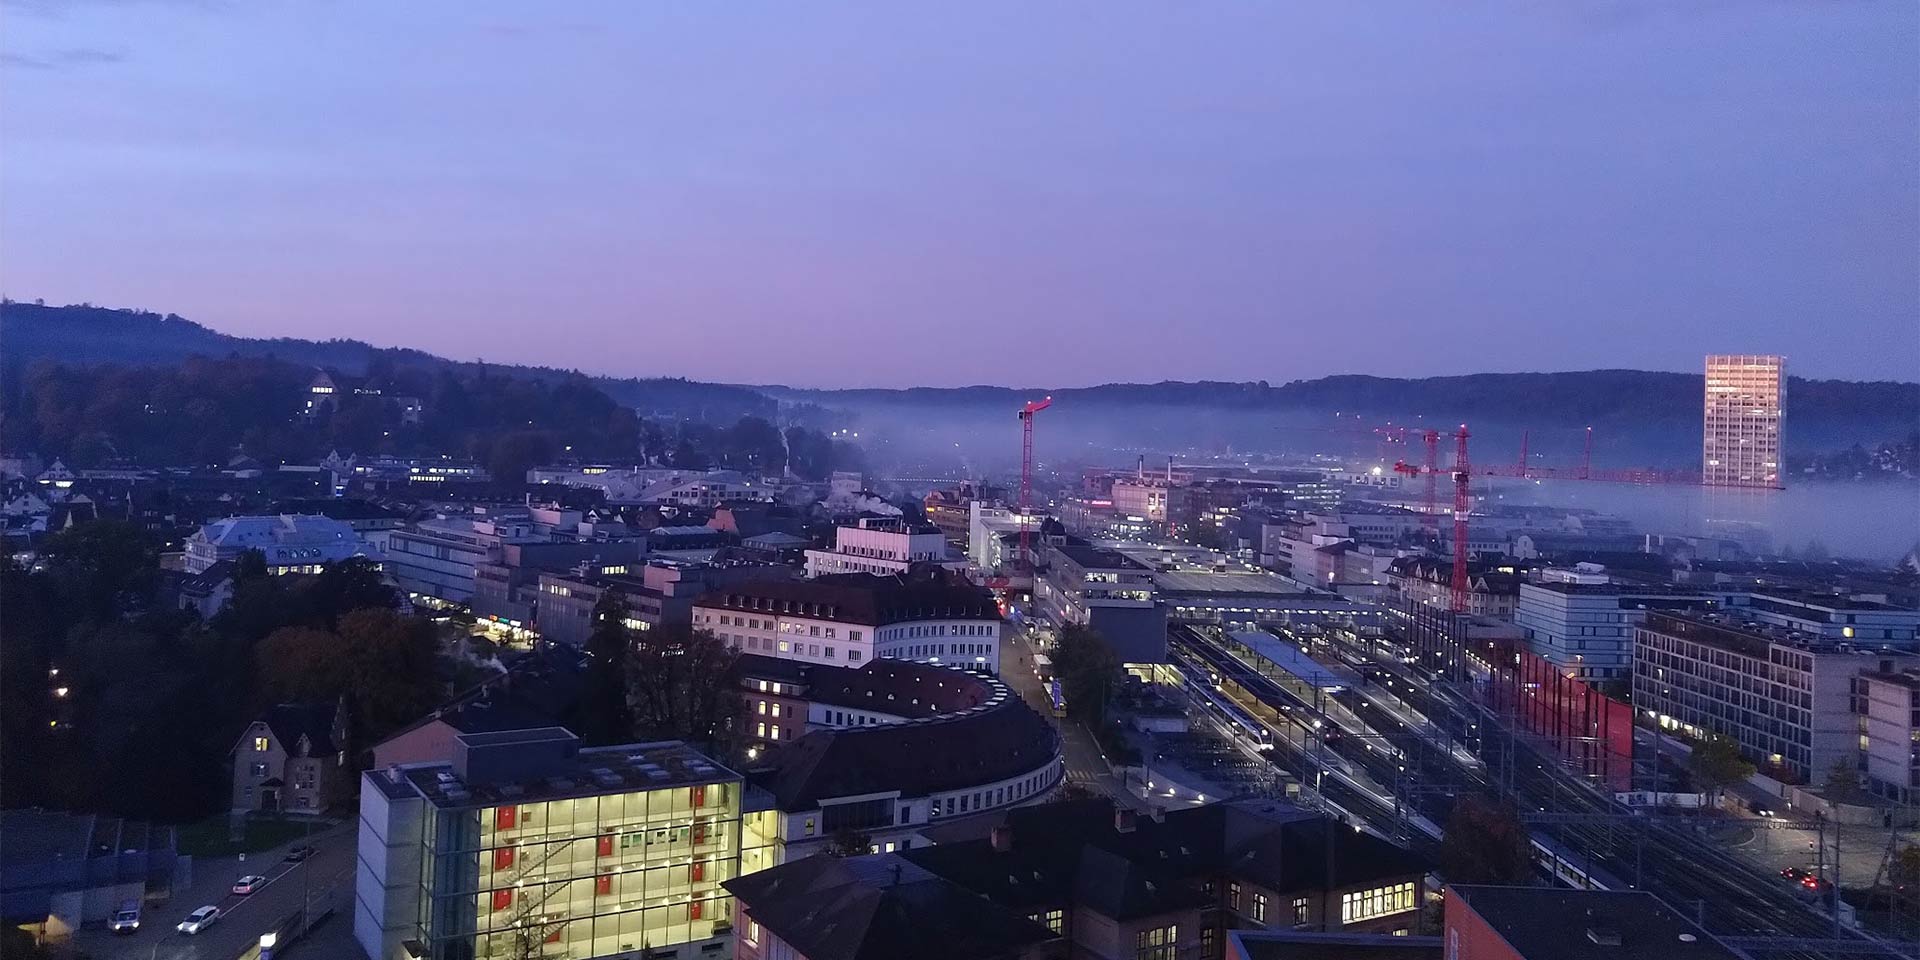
{"x": 1462, "y": 504}
{"x": 1585, "y": 471}
{"x": 1463, "y": 470}
{"x": 1026, "y": 475}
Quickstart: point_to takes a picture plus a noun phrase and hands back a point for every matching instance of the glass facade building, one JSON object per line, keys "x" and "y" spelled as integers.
{"x": 609, "y": 852}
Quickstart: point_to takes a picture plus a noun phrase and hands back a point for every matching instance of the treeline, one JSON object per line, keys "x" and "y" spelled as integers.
{"x": 205, "y": 412}
{"x": 113, "y": 701}
{"x": 1892, "y": 460}
{"x": 85, "y": 335}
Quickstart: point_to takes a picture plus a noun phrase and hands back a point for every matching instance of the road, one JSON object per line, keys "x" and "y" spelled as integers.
{"x": 1087, "y": 766}
{"x": 243, "y": 918}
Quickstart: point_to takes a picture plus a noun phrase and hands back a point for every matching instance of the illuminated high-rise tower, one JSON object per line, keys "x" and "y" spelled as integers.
{"x": 1745, "y": 404}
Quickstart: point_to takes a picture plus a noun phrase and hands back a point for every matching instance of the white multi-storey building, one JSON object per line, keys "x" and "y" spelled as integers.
{"x": 881, "y": 546}
{"x": 1888, "y": 704}
{"x": 1786, "y": 698}
{"x": 1582, "y": 618}
{"x": 850, "y": 619}
{"x": 290, "y": 543}
{"x": 435, "y": 560}
{"x": 1744, "y": 408}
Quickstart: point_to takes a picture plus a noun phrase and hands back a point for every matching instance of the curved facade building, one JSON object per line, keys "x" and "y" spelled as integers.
{"x": 852, "y": 619}
{"x": 883, "y": 751}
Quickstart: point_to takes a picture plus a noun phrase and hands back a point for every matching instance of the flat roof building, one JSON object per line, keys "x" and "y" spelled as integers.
{"x": 528, "y": 845}
{"x": 1746, "y": 402}
{"x": 1786, "y": 698}
{"x": 1543, "y": 923}
{"x": 1582, "y": 619}
{"x": 1079, "y": 583}
{"x": 1888, "y": 702}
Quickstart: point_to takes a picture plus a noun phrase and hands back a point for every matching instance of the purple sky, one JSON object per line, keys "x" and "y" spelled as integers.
{"x": 945, "y": 193}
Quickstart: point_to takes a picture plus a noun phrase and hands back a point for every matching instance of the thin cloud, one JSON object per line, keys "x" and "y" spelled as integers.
{"x": 70, "y": 58}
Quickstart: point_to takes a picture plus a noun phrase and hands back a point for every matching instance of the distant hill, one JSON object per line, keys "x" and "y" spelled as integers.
{"x": 86, "y": 335}
{"x": 1657, "y": 413}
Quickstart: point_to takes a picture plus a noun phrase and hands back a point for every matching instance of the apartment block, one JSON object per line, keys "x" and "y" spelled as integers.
{"x": 1786, "y": 698}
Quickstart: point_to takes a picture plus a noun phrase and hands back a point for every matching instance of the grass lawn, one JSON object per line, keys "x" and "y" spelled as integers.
{"x": 211, "y": 838}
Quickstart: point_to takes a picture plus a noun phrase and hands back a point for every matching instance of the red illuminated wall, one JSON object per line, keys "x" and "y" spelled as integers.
{"x": 1589, "y": 729}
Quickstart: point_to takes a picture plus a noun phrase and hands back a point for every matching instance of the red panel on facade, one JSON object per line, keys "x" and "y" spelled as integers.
{"x": 695, "y": 908}
{"x": 699, "y": 796}
{"x": 505, "y": 817}
{"x": 1587, "y": 728}
{"x": 697, "y": 871}
{"x": 603, "y": 846}
{"x": 502, "y": 858}
{"x": 502, "y": 899}
{"x": 603, "y": 885}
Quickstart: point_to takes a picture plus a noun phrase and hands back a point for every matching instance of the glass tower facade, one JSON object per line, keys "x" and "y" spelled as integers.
{"x": 580, "y": 877}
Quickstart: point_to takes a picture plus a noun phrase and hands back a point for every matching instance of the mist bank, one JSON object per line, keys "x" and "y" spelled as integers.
{"x": 1640, "y": 418}
{"x": 1873, "y": 522}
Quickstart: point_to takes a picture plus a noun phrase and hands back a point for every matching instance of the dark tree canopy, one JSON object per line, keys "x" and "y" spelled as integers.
{"x": 1485, "y": 842}
{"x": 602, "y": 716}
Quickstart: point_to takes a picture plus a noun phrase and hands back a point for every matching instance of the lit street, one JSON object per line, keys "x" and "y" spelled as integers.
{"x": 243, "y": 918}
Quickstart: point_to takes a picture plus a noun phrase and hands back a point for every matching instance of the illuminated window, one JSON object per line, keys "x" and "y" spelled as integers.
{"x": 1159, "y": 943}
{"x": 1302, "y": 912}
{"x": 1260, "y": 908}
{"x": 261, "y": 745}
{"x": 1051, "y": 919}
{"x": 1378, "y": 902}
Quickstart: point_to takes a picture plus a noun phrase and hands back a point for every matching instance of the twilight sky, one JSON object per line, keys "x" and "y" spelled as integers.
{"x": 895, "y": 193}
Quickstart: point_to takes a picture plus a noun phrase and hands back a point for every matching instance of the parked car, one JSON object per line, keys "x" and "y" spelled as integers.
{"x": 248, "y": 884}
{"x": 198, "y": 920}
{"x": 126, "y": 919}
{"x": 299, "y": 853}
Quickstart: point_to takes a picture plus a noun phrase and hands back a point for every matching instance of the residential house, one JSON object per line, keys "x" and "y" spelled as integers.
{"x": 291, "y": 760}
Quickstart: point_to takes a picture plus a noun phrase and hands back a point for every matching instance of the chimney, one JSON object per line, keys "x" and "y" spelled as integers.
{"x": 1169, "y": 471}
{"x": 1124, "y": 819}
{"x": 1140, "y": 468}
{"x": 1158, "y": 813}
{"x": 1001, "y": 838}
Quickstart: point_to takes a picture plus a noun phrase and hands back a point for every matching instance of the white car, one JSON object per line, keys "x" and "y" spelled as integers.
{"x": 248, "y": 884}
{"x": 198, "y": 920}
{"x": 126, "y": 919}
